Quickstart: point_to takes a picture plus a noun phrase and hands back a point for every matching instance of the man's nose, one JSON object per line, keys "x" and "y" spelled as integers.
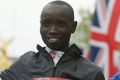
{"x": 53, "y": 29}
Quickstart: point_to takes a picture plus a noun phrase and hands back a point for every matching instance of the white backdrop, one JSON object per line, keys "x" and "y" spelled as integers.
{"x": 19, "y": 19}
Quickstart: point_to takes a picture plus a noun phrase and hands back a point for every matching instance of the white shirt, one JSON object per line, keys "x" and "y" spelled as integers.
{"x": 59, "y": 54}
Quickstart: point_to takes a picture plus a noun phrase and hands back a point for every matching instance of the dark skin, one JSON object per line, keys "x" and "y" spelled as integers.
{"x": 57, "y": 25}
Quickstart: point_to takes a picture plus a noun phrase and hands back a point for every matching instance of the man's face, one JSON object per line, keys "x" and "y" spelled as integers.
{"x": 56, "y": 26}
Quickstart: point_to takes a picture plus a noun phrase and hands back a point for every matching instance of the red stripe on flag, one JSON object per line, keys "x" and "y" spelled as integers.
{"x": 111, "y": 33}
{"x": 98, "y": 37}
{"x": 109, "y": 37}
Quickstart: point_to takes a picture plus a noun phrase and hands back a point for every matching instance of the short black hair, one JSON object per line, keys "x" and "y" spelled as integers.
{"x": 59, "y": 2}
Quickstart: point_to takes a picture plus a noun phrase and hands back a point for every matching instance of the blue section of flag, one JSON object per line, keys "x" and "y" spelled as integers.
{"x": 107, "y": 1}
{"x": 94, "y": 50}
{"x": 116, "y": 76}
{"x": 95, "y": 20}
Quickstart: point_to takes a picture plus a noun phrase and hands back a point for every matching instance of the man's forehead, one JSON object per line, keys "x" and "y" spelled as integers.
{"x": 53, "y": 9}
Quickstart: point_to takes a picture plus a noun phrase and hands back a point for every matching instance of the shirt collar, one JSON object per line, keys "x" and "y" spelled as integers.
{"x": 49, "y": 50}
{"x": 72, "y": 49}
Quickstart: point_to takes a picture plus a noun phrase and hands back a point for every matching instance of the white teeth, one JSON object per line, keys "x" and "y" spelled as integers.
{"x": 53, "y": 40}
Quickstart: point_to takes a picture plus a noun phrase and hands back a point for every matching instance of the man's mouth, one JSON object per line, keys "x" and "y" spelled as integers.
{"x": 53, "y": 40}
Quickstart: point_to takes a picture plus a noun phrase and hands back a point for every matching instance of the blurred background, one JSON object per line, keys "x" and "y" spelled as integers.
{"x": 97, "y": 34}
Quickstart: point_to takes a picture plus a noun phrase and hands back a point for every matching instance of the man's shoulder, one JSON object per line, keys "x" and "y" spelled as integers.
{"x": 31, "y": 56}
{"x": 89, "y": 69}
{"x": 27, "y": 57}
{"x": 28, "y": 54}
{"x": 88, "y": 65}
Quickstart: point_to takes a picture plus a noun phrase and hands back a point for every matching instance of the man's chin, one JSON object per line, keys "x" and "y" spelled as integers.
{"x": 55, "y": 47}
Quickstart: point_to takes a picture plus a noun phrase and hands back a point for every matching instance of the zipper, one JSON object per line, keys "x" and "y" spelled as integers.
{"x": 54, "y": 66}
{"x": 51, "y": 61}
{"x": 54, "y": 71}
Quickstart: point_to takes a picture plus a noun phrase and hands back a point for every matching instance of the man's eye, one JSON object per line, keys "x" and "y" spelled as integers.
{"x": 61, "y": 24}
{"x": 45, "y": 24}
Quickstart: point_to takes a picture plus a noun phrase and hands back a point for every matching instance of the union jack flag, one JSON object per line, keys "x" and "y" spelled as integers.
{"x": 105, "y": 37}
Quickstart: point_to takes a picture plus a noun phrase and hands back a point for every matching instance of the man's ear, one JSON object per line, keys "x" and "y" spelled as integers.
{"x": 74, "y": 26}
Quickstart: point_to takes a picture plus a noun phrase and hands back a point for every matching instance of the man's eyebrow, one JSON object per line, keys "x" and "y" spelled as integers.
{"x": 45, "y": 21}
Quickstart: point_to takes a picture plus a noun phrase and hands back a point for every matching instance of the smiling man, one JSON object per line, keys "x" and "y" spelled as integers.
{"x": 58, "y": 59}
{"x": 57, "y": 24}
